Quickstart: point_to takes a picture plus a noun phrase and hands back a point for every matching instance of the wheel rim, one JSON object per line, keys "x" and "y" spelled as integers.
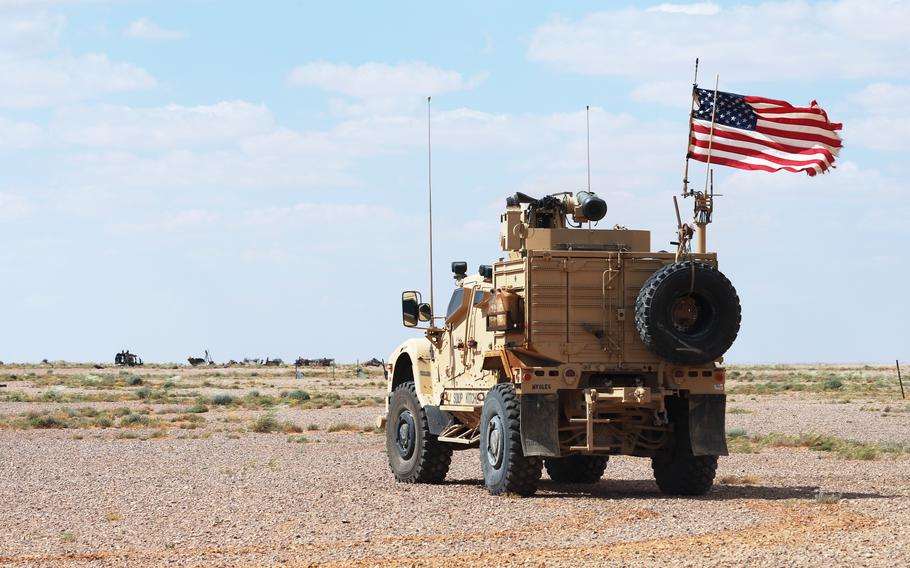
{"x": 691, "y": 314}
{"x": 684, "y": 313}
{"x": 495, "y": 442}
{"x": 405, "y": 435}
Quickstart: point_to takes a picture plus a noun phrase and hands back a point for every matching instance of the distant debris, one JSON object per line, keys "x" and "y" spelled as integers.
{"x": 277, "y": 362}
{"x": 127, "y": 359}
{"x": 44, "y": 361}
{"x": 196, "y": 361}
{"x": 321, "y": 362}
{"x": 374, "y": 362}
{"x": 248, "y": 361}
{"x": 98, "y": 366}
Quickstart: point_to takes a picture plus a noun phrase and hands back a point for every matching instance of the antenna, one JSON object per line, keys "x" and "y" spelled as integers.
{"x": 689, "y": 135}
{"x": 430, "y": 197}
{"x": 588, "y": 133}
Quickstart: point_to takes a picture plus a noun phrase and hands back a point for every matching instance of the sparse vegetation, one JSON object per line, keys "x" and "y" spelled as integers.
{"x": 296, "y": 394}
{"x": 738, "y": 480}
{"x": 739, "y": 442}
{"x": 268, "y": 423}
{"x": 343, "y": 427}
{"x": 828, "y": 498}
{"x": 222, "y": 399}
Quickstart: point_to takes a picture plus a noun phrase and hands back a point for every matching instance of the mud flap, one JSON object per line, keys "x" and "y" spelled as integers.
{"x": 707, "y": 431}
{"x": 437, "y": 420}
{"x": 540, "y": 424}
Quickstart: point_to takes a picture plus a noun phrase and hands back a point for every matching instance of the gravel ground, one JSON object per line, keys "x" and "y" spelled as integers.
{"x": 247, "y": 499}
{"x": 865, "y": 421}
{"x": 261, "y": 500}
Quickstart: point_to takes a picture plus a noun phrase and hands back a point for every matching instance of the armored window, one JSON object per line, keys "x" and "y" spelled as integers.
{"x": 457, "y": 301}
{"x": 480, "y": 297}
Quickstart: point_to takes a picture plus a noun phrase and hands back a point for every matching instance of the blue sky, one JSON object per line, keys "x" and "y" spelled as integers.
{"x": 199, "y": 174}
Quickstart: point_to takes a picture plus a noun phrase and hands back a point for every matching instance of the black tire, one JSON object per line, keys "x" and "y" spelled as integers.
{"x": 688, "y": 313}
{"x": 576, "y": 468}
{"x": 415, "y": 455}
{"x": 683, "y": 473}
{"x": 505, "y": 467}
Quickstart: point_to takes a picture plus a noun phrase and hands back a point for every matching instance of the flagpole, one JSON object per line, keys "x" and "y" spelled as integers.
{"x": 689, "y": 136}
{"x": 711, "y": 134}
{"x": 701, "y": 222}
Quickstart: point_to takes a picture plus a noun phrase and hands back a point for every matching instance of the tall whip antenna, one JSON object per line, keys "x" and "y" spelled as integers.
{"x": 588, "y": 126}
{"x": 689, "y": 136}
{"x": 430, "y": 197}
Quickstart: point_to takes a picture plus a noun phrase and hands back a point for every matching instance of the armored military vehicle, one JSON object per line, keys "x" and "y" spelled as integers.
{"x": 578, "y": 344}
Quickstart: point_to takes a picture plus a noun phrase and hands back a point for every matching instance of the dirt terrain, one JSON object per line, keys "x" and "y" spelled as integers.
{"x": 247, "y": 466}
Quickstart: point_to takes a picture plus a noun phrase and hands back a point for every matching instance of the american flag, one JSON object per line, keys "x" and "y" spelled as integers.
{"x": 755, "y": 133}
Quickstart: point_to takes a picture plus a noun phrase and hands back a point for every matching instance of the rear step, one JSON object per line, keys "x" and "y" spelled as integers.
{"x": 459, "y": 434}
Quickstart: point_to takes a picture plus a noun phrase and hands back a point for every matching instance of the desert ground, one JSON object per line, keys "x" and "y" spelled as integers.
{"x": 166, "y": 465}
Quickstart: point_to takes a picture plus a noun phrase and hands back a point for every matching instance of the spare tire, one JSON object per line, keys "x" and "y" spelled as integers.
{"x": 688, "y": 313}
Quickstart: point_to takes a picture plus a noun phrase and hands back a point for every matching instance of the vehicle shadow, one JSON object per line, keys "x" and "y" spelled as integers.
{"x": 647, "y": 489}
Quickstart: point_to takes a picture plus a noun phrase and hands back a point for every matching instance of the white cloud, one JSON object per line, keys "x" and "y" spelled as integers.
{"x": 236, "y": 144}
{"x": 170, "y": 127}
{"x": 34, "y": 82}
{"x": 183, "y": 222}
{"x": 18, "y": 135}
{"x": 14, "y": 206}
{"x": 28, "y": 32}
{"x": 846, "y": 39}
{"x": 309, "y": 213}
{"x": 143, "y": 28}
{"x": 380, "y": 87}
{"x": 883, "y": 98}
{"x": 669, "y": 93}
{"x": 695, "y": 9}
{"x": 884, "y": 133}
{"x": 379, "y": 79}
{"x": 881, "y": 117}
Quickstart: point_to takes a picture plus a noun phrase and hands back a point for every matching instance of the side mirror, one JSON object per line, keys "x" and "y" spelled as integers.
{"x": 410, "y": 308}
{"x": 414, "y": 310}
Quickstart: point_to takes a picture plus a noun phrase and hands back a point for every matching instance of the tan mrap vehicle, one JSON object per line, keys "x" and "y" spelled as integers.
{"x": 577, "y": 345}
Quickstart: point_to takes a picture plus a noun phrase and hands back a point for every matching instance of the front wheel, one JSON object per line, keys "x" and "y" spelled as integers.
{"x": 415, "y": 455}
{"x": 505, "y": 467}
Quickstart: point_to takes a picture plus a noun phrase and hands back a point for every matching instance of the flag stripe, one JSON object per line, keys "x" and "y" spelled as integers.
{"x": 702, "y": 155}
{"x": 743, "y": 165}
{"x": 730, "y": 132}
{"x": 803, "y": 155}
{"x": 797, "y": 129}
{"x": 758, "y": 151}
{"x": 797, "y": 134}
{"x": 765, "y": 100}
{"x": 784, "y": 110}
{"x": 815, "y": 122}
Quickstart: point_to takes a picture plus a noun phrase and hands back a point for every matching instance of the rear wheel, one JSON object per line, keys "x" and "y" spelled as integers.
{"x": 415, "y": 455}
{"x": 505, "y": 467}
{"x": 684, "y": 474}
{"x": 576, "y": 469}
